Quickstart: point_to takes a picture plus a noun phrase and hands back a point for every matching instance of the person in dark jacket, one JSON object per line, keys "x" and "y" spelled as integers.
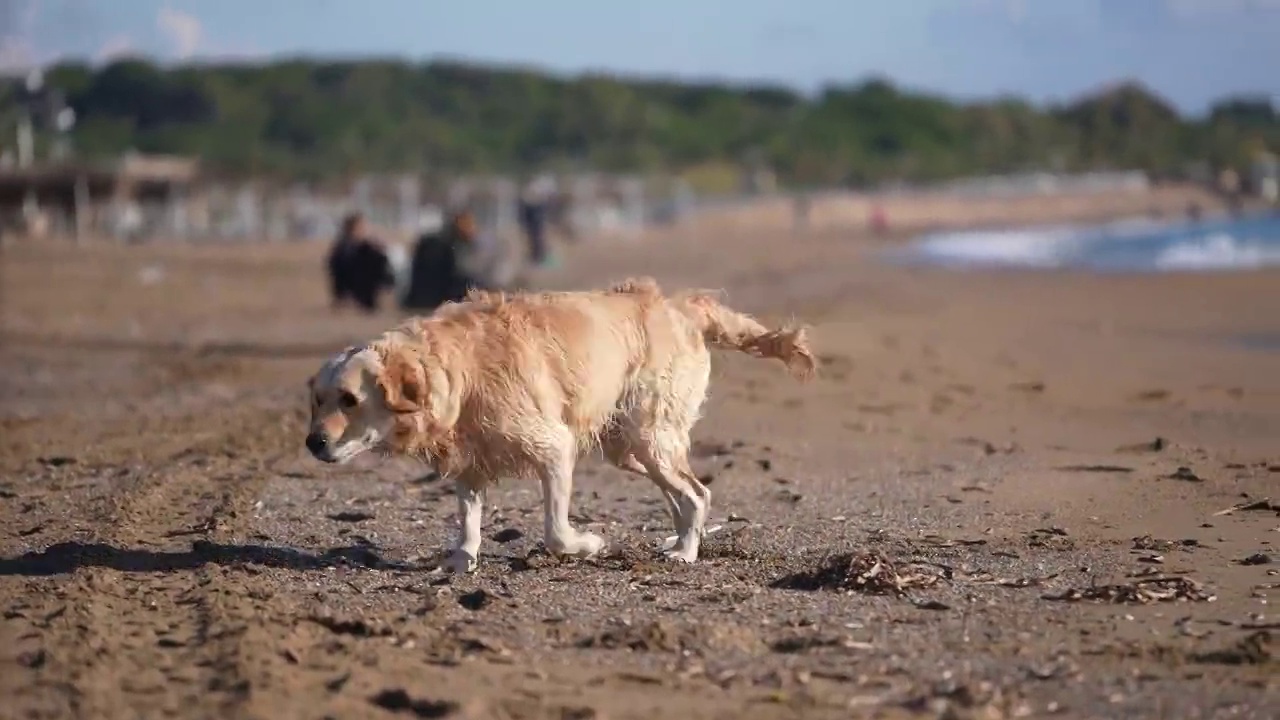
{"x": 533, "y": 210}
{"x": 438, "y": 271}
{"x": 359, "y": 268}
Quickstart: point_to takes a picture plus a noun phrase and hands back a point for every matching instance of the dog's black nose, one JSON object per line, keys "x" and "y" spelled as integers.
{"x": 318, "y": 444}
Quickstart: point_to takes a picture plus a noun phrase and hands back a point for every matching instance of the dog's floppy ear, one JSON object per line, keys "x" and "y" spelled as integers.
{"x": 403, "y": 383}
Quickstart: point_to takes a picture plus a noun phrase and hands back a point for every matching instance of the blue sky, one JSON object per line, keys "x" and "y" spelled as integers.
{"x": 1192, "y": 51}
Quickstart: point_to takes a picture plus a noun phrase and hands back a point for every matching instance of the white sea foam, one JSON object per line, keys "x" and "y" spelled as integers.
{"x": 1025, "y": 248}
{"x": 1219, "y": 251}
{"x": 1134, "y": 245}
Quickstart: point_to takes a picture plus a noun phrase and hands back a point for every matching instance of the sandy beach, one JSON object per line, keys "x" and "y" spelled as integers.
{"x": 1005, "y": 495}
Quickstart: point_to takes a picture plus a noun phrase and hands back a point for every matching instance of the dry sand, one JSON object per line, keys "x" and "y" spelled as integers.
{"x": 1001, "y": 498}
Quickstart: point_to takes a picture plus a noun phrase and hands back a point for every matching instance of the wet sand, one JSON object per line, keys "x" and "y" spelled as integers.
{"x": 1006, "y": 495}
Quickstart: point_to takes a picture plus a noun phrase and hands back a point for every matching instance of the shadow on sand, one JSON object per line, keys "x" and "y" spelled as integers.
{"x": 272, "y": 351}
{"x": 68, "y": 557}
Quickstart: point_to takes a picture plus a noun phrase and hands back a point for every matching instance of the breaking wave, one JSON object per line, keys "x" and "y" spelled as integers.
{"x": 1132, "y": 246}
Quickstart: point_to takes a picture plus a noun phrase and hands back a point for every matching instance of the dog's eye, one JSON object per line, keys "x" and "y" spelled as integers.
{"x": 347, "y": 400}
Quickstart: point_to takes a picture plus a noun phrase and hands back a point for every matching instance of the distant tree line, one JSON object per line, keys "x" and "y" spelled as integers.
{"x": 315, "y": 119}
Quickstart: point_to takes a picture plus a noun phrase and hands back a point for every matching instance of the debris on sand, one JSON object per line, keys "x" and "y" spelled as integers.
{"x": 1009, "y": 582}
{"x": 1051, "y": 538}
{"x": 56, "y": 461}
{"x": 476, "y": 600}
{"x": 351, "y": 516}
{"x": 1147, "y": 589}
{"x": 649, "y": 637}
{"x": 536, "y": 559}
{"x": 1147, "y": 542}
{"x": 713, "y": 450}
{"x": 337, "y": 683}
{"x": 507, "y": 535}
{"x": 1184, "y": 474}
{"x": 989, "y": 448}
{"x": 945, "y": 542}
{"x": 354, "y": 556}
{"x": 398, "y": 700}
{"x": 1256, "y": 648}
{"x": 1095, "y": 469}
{"x": 453, "y": 644}
{"x": 1255, "y": 559}
{"x": 1264, "y": 504}
{"x": 33, "y": 659}
{"x": 870, "y": 573}
{"x": 803, "y": 643}
{"x": 1157, "y": 445}
{"x": 344, "y": 626}
{"x": 952, "y": 698}
{"x": 789, "y": 496}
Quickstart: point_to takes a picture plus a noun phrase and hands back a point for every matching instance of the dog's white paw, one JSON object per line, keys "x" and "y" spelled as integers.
{"x": 683, "y": 555}
{"x": 581, "y": 545}
{"x": 460, "y": 562}
{"x": 673, "y": 540}
{"x": 587, "y": 545}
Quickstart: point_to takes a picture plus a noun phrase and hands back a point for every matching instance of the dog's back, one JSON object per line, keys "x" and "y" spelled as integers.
{"x": 588, "y": 359}
{"x": 571, "y": 357}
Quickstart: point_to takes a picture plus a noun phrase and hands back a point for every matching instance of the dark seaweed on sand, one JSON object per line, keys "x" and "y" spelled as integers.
{"x": 869, "y": 573}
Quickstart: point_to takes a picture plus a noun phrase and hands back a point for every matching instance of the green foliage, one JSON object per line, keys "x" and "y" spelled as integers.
{"x": 303, "y": 118}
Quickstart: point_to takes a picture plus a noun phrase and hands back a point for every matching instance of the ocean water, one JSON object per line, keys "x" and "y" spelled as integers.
{"x": 1218, "y": 244}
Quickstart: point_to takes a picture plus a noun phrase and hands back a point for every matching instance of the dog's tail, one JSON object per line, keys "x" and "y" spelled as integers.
{"x": 726, "y": 328}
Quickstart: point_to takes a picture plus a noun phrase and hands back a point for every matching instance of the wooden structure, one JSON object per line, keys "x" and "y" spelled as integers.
{"x": 78, "y": 191}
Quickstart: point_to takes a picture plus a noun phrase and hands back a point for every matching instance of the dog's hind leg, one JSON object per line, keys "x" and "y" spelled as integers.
{"x": 663, "y": 456}
{"x": 686, "y": 472}
{"x": 466, "y": 553}
{"x": 618, "y": 452}
{"x": 556, "y": 459}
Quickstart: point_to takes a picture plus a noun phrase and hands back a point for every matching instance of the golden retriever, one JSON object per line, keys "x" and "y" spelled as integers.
{"x": 522, "y": 385}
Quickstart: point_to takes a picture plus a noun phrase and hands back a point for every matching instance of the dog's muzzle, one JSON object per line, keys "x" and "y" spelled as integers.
{"x": 320, "y": 448}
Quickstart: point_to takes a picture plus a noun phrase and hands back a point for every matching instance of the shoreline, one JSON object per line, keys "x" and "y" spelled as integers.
{"x": 915, "y": 214}
{"x": 1223, "y": 242}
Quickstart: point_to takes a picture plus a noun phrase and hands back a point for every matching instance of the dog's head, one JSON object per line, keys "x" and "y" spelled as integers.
{"x": 377, "y": 398}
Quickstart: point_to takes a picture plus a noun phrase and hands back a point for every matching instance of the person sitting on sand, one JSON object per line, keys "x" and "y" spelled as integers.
{"x": 359, "y": 268}
{"x": 445, "y": 264}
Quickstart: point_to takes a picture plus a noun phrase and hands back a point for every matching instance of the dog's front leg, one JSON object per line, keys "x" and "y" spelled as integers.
{"x": 466, "y": 554}
{"x": 557, "y": 489}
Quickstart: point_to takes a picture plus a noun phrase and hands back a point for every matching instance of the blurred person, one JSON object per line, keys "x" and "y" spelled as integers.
{"x": 879, "y": 219}
{"x": 1193, "y": 211}
{"x": 1269, "y": 190}
{"x": 560, "y": 211}
{"x": 801, "y": 211}
{"x": 534, "y": 205}
{"x": 359, "y": 268}
{"x": 1229, "y": 186}
{"x": 447, "y": 263}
